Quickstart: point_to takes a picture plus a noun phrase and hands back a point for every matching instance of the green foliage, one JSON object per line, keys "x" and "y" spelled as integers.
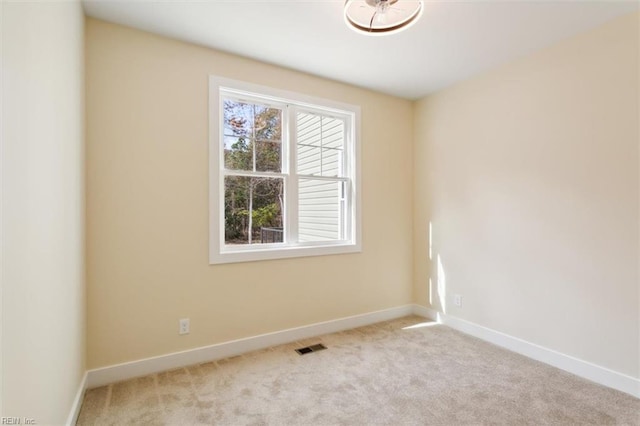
{"x": 240, "y": 156}
{"x": 266, "y": 216}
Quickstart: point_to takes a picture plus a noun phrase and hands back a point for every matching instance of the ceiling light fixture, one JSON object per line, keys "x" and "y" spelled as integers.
{"x": 378, "y": 17}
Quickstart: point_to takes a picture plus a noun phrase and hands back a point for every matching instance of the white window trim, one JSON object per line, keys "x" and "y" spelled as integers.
{"x": 217, "y": 252}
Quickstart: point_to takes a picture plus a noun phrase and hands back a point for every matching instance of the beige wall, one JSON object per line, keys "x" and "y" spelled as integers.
{"x": 43, "y": 302}
{"x": 147, "y": 219}
{"x": 529, "y": 176}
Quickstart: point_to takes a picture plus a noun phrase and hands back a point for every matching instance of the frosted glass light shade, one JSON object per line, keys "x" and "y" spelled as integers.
{"x": 377, "y": 17}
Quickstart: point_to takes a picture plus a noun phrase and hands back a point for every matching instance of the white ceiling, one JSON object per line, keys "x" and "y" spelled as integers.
{"x": 453, "y": 40}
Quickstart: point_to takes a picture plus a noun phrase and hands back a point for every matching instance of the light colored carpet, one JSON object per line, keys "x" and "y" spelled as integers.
{"x": 400, "y": 372}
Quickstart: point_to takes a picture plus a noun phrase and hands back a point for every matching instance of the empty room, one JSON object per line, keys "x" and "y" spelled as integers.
{"x": 324, "y": 212}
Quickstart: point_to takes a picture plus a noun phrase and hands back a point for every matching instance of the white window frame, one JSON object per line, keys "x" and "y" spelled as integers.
{"x": 219, "y": 252}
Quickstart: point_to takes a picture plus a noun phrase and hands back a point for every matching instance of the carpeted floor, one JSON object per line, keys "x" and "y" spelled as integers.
{"x": 400, "y": 372}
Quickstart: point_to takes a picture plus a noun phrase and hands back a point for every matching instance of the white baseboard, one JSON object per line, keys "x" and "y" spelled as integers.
{"x": 77, "y": 402}
{"x": 119, "y": 372}
{"x": 423, "y": 311}
{"x": 584, "y": 369}
{"x": 129, "y": 370}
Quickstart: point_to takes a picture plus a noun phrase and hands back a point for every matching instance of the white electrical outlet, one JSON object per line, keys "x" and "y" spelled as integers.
{"x": 184, "y": 326}
{"x": 457, "y": 300}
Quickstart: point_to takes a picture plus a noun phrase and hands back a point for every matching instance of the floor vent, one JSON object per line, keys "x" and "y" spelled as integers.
{"x": 312, "y": 348}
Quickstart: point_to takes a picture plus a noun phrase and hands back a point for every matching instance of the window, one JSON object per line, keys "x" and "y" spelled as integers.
{"x": 283, "y": 174}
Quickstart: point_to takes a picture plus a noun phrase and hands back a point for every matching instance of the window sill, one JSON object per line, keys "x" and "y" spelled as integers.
{"x": 236, "y": 256}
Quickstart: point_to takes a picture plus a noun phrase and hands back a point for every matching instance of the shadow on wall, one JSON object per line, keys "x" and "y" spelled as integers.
{"x": 438, "y": 293}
